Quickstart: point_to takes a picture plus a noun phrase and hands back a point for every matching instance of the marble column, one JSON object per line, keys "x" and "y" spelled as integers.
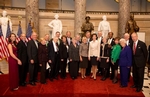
{"x": 80, "y": 13}
{"x": 32, "y": 12}
{"x": 123, "y": 17}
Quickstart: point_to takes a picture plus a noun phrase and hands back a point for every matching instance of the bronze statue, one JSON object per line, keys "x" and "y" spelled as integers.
{"x": 131, "y": 25}
{"x": 87, "y": 26}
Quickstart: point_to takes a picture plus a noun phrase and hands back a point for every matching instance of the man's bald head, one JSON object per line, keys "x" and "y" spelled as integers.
{"x": 23, "y": 36}
{"x": 126, "y": 36}
{"x": 134, "y": 37}
{"x": 34, "y": 35}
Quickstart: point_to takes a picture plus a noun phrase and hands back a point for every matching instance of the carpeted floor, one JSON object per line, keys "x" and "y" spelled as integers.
{"x": 69, "y": 88}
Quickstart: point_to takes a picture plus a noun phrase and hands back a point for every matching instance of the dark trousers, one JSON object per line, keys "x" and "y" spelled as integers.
{"x": 63, "y": 68}
{"x": 33, "y": 72}
{"x": 129, "y": 74}
{"x": 124, "y": 73}
{"x": 43, "y": 73}
{"x": 23, "y": 70}
{"x": 99, "y": 68}
{"x": 88, "y": 69}
{"x": 112, "y": 70}
{"x": 104, "y": 72}
{"x": 74, "y": 69}
{"x": 54, "y": 67}
{"x": 138, "y": 76}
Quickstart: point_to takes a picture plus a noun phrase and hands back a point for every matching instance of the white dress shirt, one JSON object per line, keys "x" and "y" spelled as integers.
{"x": 36, "y": 43}
{"x": 127, "y": 42}
{"x": 55, "y": 47}
{"x": 109, "y": 41}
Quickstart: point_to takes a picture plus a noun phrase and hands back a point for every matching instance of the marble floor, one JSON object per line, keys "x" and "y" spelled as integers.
{"x": 146, "y": 87}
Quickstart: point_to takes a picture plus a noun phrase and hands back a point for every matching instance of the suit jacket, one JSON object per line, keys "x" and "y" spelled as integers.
{"x": 149, "y": 55}
{"x": 22, "y": 52}
{"x": 104, "y": 51}
{"x": 115, "y": 53}
{"x": 51, "y": 51}
{"x": 140, "y": 55}
{"x": 63, "y": 51}
{"x": 59, "y": 43}
{"x": 32, "y": 51}
{"x": 111, "y": 45}
{"x": 70, "y": 41}
{"x": 125, "y": 58}
{"x": 130, "y": 43}
{"x": 74, "y": 52}
{"x": 42, "y": 53}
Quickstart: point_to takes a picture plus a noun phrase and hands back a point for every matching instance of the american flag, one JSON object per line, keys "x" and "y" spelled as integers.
{"x": 8, "y": 30}
{"x": 19, "y": 32}
{"x": 3, "y": 46}
{"x": 29, "y": 32}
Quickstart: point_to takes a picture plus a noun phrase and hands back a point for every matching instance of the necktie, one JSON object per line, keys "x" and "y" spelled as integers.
{"x": 25, "y": 43}
{"x": 134, "y": 48}
{"x": 57, "y": 47}
{"x": 108, "y": 41}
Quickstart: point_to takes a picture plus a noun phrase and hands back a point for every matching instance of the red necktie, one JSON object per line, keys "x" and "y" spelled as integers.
{"x": 134, "y": 48}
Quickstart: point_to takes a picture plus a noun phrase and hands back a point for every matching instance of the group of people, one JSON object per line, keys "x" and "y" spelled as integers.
{"x": 91, "y": 53}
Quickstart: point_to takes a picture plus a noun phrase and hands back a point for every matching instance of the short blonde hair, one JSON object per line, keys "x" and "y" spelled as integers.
{"x": 83, "y": 38}
{"x": 42, "y": 39}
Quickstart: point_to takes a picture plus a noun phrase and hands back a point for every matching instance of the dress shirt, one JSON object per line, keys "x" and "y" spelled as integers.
{"x": 127, "y": 42}
{"x": 110, "y": 40}
{"x": 55, "y": 47}
{"x": 100, "y": 39}
{"x": 94, "y": 49}
{"x": 69, "y": 40}
{"x": 36, "y": 43}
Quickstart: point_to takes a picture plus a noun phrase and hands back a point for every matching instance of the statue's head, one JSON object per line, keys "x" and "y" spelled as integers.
{"x": 56, "y": 16}
{"x": 4, "y": 13}
{"x": 87, "y": 18}
{"x": 131, "y": 16}
{"x": 104, "y": 17}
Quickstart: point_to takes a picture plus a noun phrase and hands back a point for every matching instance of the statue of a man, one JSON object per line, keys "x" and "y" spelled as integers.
{"x": 104, "y": 27}
{"x": 87, "y": 25}
{"x": 4, "y": 20}
{"x": 131, "y": 25}
{"x": 56, "y": 24}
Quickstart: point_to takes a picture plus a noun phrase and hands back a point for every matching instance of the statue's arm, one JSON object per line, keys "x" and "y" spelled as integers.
{"x": 92, "y": 26}
{"x": 99, "y": 26}
{"x": 60, "y": 26}
{"x": 51, "y": 24}
{"x": 10, "y": 24}
{"x": 82, "y": 27}
{"x": 127, "y": 27}
{"x": 109, "y": 27}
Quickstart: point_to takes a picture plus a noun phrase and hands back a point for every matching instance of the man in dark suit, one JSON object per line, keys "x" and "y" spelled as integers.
{"x": 139, "y": 61}
{"x": 100, "y": 37}
{"x": 47, "y": 39}
{"x": 88, "y": 69}
{"x": 53, "y": 58}
{"x": 69, "y": 41}
{"x": 69, "y": 38}
{"x": 22, "y": 55}
{"x": 129, "y": 43}
{"x": 32, "y": 50}
{"x": 78, "y": 42}
{"x": 111, "y": 43}
{"x": 127, "y": 38}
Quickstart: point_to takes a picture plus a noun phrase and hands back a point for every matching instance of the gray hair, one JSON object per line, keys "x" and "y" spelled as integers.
{"x": 123, "y": 40}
